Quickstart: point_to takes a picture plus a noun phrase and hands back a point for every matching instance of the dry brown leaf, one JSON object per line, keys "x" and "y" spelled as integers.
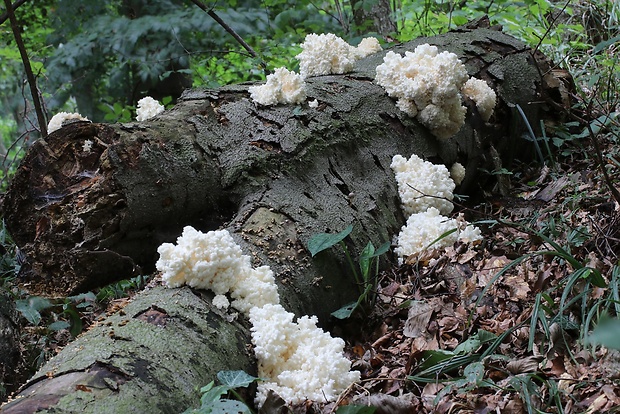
{"x": 523, "y": 365}
{"x": 599, "y": 405}
{"x": 519, "y": 288}
{"x": 419, "y": 315}
{"x": 514, "y": 406}
{"x": 388, "y": 404}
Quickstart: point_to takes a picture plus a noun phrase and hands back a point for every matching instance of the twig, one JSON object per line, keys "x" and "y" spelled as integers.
{"x": 4, "y": 16}
{"x": 230, "y": 30}
{"x": 32, "y": 81}
{"x": 551, "y": 23}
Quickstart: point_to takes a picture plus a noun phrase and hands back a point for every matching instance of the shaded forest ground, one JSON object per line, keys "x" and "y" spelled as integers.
{"x": 503, "y": 326}
{"x": 509, "y": 325}
{"x": 506, "y": 326}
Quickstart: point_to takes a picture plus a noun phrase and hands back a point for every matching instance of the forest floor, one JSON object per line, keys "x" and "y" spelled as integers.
{"x": 505, "y": 326}
{"x": 502, "y": 326}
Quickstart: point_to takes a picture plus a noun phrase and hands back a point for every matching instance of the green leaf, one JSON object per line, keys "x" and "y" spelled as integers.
{"x": 356, "y": 409}
{"x": 607, "y": 334}
{"x": 29, "y": 308}
{"x": 59, "y": 325}
{"x": 229, "y": 407}
{"x": 213, "y": 394}
{"x": 235, "y": 379}
{"x": 31, "y": 314}
{"x": 473, "y": 343}
{"x": 432, "y": 358}
{"x": 323, "y": 241}
{"x": 382, "y": 249}
{"x": 474, "y": 372}
{"x": 88, "y": 296}
{"x": 606, "y": 43}
{"x": 345, "y": 311}
{"x": 166, "y": 100}
{"x": 597, "y": 279}
{"x": 366, "y": 260}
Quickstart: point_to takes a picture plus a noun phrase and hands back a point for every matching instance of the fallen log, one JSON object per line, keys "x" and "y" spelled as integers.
{"x": 272, "y": 176}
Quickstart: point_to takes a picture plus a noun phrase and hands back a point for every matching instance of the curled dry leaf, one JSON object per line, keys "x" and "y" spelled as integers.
{"x": 417, "y": 320}
{"x": 523, "y": 365}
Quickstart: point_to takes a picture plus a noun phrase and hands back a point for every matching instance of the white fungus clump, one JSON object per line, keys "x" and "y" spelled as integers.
{"x": 148, "y": 108}
{"x": 425, "y": 228}
{"x": 457, "y": 173}
{"x": 367, "y": 47}
{"x": 426, "y": 84}
{"x": 328, "y": 54}
{"x": 87, "y": 146}
{"x": 282, "y": 86}
{"x": 324, "y": 54}
{"x": 422, "y": 184}
{"x": 214, "y": 261}
{"x": 426, "y": 214}
{"x": 220, "y": 302}
{"x": 482, "y": 94}
{"x": 300, "y": 360}
{"x": 57, "y": 120}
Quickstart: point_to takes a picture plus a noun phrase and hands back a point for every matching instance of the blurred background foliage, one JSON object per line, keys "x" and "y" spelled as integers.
{"x": 99, "y": 57}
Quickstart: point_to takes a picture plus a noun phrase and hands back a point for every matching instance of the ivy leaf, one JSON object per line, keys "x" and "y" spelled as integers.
{"x": 323, "y": 241}
{"x": 29, "y": 308}
{"x": 235, "y": 379}
{"x": 229, "y": 407}
{"x": 212, "y": 394}
{"x": 59, "y": 325}
{"x": 345, "y": 311}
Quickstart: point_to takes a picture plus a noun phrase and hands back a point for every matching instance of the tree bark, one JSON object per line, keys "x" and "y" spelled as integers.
{"x": 10, "y": 352}
{"x": 272, "y": 176}
{"x": 377, "y": 17}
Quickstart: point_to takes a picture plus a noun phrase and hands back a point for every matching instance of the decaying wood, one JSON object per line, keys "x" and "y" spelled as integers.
{"x": 272, "y": 176}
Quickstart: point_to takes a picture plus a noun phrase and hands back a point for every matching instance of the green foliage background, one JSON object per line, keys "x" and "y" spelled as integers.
{"x": 99, "y": 57}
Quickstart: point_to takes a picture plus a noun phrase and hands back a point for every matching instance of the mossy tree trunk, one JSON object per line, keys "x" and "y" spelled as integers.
{"x": 272, "y": 176}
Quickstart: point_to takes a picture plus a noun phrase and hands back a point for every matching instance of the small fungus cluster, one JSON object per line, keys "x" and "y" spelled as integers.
{"x": 426, "y": 192}
{"x": 430, "y": 85}
{"x": 323, "y": 54}
{"x": 148, "y": 108}
{"x": 57, "y": 120}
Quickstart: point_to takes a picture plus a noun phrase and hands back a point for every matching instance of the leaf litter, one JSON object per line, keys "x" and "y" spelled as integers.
{"x": 502, "y": 326}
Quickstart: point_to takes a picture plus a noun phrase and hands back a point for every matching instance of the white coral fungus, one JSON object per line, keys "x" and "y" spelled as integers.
{"x": 298, "y": 360}
{"x": 422, "y": 184}
{"x": 148, "y": 108}
{"x": 457, "y": 173}
{"x": 301, "y": 361}
{"x": 367, "y": 47}
{"x": 87, "y": 146}
{"x": 426, "y": 84}
{"x": 214, "y": 261}
{"x": 57, "y": 120}
{"x": 425, "y": 192}
{"x": 327, "y": 54}
{"x": 481, "y": 93}
{"x": 425, "y": 228}
{"x": 220, "y": 302}
{"x": 282, "y": 86}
